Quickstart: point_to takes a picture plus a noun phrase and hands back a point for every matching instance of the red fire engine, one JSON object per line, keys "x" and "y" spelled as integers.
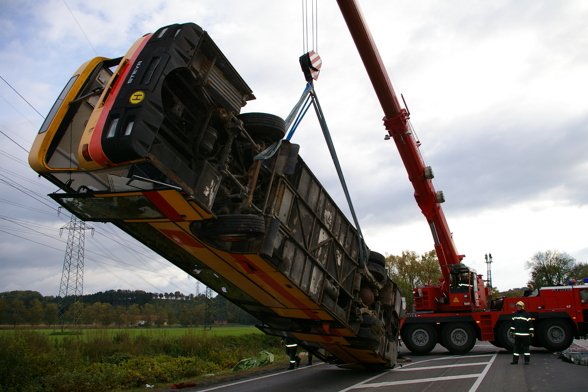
{"x": 459, "y": 309}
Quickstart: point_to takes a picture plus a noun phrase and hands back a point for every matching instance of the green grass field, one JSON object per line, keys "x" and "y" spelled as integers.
{"x": 105, "y": 360}
{"x": 168, "y": 332}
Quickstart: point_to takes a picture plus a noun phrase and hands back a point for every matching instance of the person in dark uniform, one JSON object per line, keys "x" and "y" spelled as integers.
{"x": 522, "y": 329}
{"x": 291, "y": 350}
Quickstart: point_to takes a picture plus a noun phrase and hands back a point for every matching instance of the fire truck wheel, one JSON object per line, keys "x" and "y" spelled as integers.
{"x": 505, "y": 337}
{"x": 264, "y": 126}
{"x": 556, "y": 334}
{"x": 230, "y": 227}
{"x": 377, "y": 258}
{"x": 420, "y": 339}
{"x": 458, "y": 338}
{"x": 495, "y": 343}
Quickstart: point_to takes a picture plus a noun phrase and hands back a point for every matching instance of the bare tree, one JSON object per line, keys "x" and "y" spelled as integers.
{"x": 550, "y": 268}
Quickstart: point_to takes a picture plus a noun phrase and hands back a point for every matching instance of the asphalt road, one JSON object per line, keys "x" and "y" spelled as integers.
{"x": 485, "y": 369}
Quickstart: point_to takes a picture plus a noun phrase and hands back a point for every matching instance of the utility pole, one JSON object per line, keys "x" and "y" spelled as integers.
{"x": 489, "y": 270}
{"x": 72, "y": 277}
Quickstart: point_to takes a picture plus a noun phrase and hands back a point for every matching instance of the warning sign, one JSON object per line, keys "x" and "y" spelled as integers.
{"x": 137, "y": 97}
{"x": 455, "y": 299}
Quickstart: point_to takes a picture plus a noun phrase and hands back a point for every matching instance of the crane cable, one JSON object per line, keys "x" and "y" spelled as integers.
{"x": 308, "y": 98}
{"x": 309, "y": 28}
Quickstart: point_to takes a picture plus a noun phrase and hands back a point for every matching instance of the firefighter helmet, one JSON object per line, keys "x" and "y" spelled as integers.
{"x": 521, "y": 303}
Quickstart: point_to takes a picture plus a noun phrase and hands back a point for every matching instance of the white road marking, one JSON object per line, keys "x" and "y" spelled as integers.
{"x": 474, "y": 387}
{"x": 478, "y": 376}
{"x": 441, "y": 366}
{"x": 258, "y": 378}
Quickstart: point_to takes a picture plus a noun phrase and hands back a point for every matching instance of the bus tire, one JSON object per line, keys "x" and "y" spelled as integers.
{"x": 459, "y": 338}
{"x": 420, "y": 339}
{"x": 378, "y": 271}
{"x": 263, "y": 126}
{"x": 377, "y": 258}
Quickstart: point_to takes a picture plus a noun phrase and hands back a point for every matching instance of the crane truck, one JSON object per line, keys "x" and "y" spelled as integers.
{"x": 460, "y": 309}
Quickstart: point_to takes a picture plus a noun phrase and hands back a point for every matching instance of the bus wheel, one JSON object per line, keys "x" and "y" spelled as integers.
{"x": 378, "y": 271}
{"x": 420, "y": 339}
{"x": 264, "y": 126}
{"x": 556, "y": 335}
{"x": 377, "y": 258}
{"x": 505, "y": 336}
{"x": 459, "y": 338}
{"x": 230, "y": 227}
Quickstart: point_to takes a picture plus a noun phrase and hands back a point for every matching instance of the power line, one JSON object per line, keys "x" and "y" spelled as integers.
{"x": 28, "y": 194}
{"x": 82, "y": 30}
{"x": 13, "y": 141}
{"x": 14, "y": 174}
{"x": 23, "y": 98}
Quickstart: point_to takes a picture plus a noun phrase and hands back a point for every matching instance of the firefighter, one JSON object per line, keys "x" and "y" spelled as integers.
{"x": 522, "y": 329}
{"x": 291, "y": 349}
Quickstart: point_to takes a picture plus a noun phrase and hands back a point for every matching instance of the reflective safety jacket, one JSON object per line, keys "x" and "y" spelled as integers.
{"x": 522, "y": 325}
{"x": 290, "y": 343}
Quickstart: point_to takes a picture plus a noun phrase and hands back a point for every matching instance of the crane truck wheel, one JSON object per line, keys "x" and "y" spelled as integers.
{"x": 556, "y": 335}
{"x": 458, "y": 338}
{"x": 264, "y": 126}
{"x": 420, "y": 339}
{"x": 504, "y": 336}
{"x": 496, "y": 343}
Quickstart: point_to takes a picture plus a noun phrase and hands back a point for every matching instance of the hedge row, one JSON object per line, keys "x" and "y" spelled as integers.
{"x": 30, "y": 361}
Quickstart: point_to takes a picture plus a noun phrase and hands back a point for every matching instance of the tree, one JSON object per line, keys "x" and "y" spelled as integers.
{"x": 131, "y": 314}
{"x": 72, "y": 315}
{"x": 119, "y": 315}
{"x": 160, "y": 316}
{"x": 147, "y": 312}
{"x": 50, "y": 316}
{"x": 550, "y": 268}
{"x": 16, "y": 312}
{"x": 580, "y": 271}
{"x": 3, "y": 310}
{"x": 90, "y": 314}
{"x": 106, "y": 314}
{"x": 411, "y": 270}
{"x": 512, "y": 293}
{"x": 34, "y": 313}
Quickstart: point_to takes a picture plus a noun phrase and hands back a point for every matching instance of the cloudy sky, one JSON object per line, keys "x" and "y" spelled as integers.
{"x": 496, "y": 91}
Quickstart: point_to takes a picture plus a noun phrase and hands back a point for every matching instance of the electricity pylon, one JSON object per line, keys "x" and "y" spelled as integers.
{"x": 71, "y": 288}
{"x": 208, "y": 309}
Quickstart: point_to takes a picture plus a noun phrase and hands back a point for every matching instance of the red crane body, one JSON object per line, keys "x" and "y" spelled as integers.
{"x": 396, "y": 121}
{"x": 459, "y": 310}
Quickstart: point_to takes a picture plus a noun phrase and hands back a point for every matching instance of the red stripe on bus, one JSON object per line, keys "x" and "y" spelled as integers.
{"x": 95, "y": 146}
{"x": 167, "y": 209}
{"x": 275, "y": 285}
{"x": 181, "y": 238}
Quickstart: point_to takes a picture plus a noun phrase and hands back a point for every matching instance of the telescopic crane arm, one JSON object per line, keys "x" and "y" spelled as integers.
{"x": 397, "y": 124}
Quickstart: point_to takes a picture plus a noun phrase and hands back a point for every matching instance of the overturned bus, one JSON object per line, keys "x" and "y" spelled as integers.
{"x": 155, "y": 142}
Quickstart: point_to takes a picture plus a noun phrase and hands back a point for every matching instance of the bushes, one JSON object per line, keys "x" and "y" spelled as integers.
{"x": 30, "y": 361}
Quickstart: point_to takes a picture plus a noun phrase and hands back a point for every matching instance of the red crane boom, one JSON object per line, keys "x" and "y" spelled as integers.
{"x": 397, "y": 124}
